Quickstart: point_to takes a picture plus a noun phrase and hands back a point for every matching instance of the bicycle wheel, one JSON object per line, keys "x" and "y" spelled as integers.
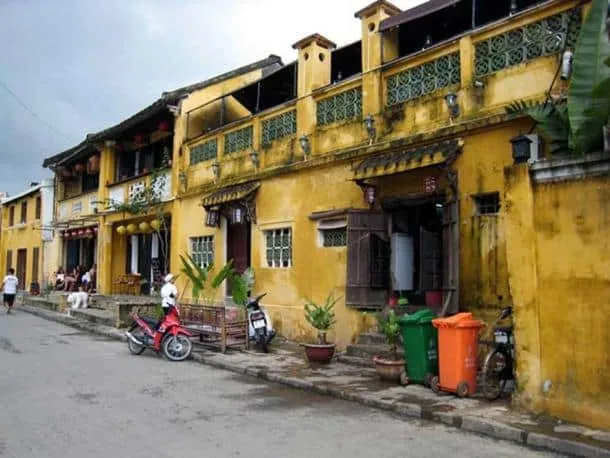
{"x": 493, "y": 368}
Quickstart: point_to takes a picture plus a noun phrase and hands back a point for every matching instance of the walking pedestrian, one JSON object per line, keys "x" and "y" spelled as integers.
{"x": 9, "y": 288}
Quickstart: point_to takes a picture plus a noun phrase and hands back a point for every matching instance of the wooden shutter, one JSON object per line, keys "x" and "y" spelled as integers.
{"x": 38, "y": 207}
{"x": 35, "y": 264}
{"x": 380, "y": 262}
{"x": 365, "y": 264}
{"x": 451, "y": 257}
{"x": 9, "y": 260}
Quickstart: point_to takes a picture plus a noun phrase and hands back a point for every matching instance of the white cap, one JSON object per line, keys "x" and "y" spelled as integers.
{"x": 169, "y": 277}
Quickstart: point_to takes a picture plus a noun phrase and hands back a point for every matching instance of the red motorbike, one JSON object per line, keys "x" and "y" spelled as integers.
{"x": 169, "y": 338}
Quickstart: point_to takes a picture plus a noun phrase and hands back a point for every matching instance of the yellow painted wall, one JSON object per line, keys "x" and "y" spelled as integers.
{"x": 21, "y": 236}
{"x": 559, "y": 259}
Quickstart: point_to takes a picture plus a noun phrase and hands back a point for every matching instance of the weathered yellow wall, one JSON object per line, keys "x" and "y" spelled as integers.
{"x": 559, "y": 259}
{"x": 21, "y": 236}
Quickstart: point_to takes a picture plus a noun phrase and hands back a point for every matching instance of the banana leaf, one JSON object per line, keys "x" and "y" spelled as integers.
{"x": 589, "y": 71}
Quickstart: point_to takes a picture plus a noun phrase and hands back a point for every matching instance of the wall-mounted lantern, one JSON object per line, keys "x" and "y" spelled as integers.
{"x": 216, "y": 169}
{"x": 370, "y": 195}
{"x": 305, "y": 146}
{"x": 213, "y": 217}
{"x": 521, "y": 148}
{"x": 428, "y": 41}
{"x": 513, "y": 7}
{"x": 255, "y": 158}
{"x": 369, "y": 123}
{"x": 451, "y": 100}
{"x": 237, "y": 215}
{"x": 566, "y": 64}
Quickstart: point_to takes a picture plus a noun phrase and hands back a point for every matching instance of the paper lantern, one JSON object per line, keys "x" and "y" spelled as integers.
{"x": 144, "y": 226}
{"x": 131, "y": 228}
{"x": 81, "y": 232}
{"x": 164, "y": 125}
{"x": 95, "y": 230}
{"x": 79, "y": 167}
{"x": 138, "y": 139}
{"x": 89, "y": 233}
{"x": 120, "y": 230}
{"x": 93, "y": 164}
{"x": 155, "y": 224}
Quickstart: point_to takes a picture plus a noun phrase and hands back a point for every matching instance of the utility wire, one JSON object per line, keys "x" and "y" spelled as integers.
{"x": 29, "y": 110}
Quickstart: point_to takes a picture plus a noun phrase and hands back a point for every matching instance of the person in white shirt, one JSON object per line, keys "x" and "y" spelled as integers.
{"x": 9, "y": 288}
{"x": 169, "y": 293}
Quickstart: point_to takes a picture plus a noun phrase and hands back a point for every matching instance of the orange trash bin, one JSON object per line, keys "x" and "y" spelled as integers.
{"x": 457, "y": 354}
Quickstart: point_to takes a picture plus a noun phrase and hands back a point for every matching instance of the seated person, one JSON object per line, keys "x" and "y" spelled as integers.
{"x": 88, "y": 280}
{"x": 60, "y": 279}
{"x": 72, "y": 280}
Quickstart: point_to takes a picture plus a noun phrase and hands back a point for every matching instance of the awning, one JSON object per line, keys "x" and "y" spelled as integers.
{"x": 230, "y": 194}
{"x": 409, "y": 15}
{"x": 402, "y": 161}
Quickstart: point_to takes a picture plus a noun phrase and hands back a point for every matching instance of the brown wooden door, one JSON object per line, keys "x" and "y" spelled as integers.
{"x": 238, "y": 247}
{"x": 451, "y": 257}
{"x": 22, "y": 259}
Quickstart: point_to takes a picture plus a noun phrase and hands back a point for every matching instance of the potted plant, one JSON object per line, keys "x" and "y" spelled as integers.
{"x": 322, "y": 318}
{"x": 392, "y": 368}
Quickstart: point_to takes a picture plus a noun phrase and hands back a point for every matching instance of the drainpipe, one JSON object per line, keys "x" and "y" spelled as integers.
{"x": 47, "y": 197}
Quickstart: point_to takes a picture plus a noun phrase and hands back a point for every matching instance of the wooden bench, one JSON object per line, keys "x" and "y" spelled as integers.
{"x": 217, "y": 326}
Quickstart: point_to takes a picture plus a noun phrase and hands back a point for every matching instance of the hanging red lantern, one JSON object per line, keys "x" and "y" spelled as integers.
{"x": 93, "y": 164}
{"x": 138, "y": 139}
{"x": 78, "y": 168}
{"x": 89, "y": 233}
{"x": 95, "y": 230}
{"x": 164, "y": 126}
{"x": 81, "y": 232}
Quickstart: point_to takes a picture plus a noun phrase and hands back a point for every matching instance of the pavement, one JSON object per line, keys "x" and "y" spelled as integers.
{"x": 287, "y": 365}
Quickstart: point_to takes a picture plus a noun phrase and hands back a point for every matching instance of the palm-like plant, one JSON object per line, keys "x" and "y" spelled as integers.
{"x": 390, "y": 328}
{"x": 575, "y": 124}
{"x": 321, "y": 317}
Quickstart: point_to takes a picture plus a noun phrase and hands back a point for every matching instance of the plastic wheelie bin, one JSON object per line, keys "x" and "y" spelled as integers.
{"x": 420, "y": 347}
{"x": 457, "y": 354}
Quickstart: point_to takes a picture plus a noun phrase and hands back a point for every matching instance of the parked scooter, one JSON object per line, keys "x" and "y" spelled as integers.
{"x": 259, "y": 324}
{"x": 170, "y": 338}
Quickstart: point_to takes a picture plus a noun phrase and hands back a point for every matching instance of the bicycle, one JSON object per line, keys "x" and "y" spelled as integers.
{"x": 499, "y": 362}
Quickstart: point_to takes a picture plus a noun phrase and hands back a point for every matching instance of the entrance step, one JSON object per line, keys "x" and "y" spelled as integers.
{"x": 368, "y": 351}
{"x": 103, "y": 317}
{"x": 371, "y": 338}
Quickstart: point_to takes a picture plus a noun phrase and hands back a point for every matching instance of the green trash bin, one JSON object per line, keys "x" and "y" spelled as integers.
{"x": 420, "y": 346}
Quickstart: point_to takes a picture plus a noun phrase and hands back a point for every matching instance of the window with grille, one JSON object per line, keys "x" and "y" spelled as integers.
{"x": 279, "y": 247}
{"x": 333, "y": 232}
{"x": 487, "y": 204}
{"x": 202, "y": 250}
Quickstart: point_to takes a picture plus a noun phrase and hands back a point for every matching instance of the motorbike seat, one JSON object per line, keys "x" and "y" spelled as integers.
{"x": 150, "y": 320}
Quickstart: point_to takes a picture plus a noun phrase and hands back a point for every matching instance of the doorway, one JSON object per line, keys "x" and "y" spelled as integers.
{"x": 238, "y": 247}
{"x": 22, "y": 259}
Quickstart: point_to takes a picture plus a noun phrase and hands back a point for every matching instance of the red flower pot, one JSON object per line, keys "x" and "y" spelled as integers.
{"x": 319, "y": 353}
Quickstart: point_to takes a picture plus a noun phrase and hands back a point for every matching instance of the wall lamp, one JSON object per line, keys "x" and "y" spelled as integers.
{"x": 513, "y": 7}
{"x": 255, "y": 158}
{"x": 216, "y": 169}
{"x": 369, "y": 123}
{"x": 305, "y": 145}
{"x": 566, "y": 64}
{"x": 452, "y": 103}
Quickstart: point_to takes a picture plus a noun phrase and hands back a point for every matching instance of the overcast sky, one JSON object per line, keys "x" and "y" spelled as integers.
{"x": 69, "y": 67}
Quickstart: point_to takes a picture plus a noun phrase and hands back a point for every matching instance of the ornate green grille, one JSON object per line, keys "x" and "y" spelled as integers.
{"x": 346, "y": 105}
{"x": 280, "y": 126}
{"x": 334, "y": 237}
{"x": 424, "y": 79}
{"x": 205, "y": 151}
{"x": 238, "y": 140}
{"x": 543, "y": 38}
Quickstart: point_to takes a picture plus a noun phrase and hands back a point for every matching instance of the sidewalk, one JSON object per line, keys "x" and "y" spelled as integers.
{"x": 287, "y": 365}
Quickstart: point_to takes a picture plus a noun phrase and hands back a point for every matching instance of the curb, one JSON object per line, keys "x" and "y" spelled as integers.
{"x": 472, "y": 424}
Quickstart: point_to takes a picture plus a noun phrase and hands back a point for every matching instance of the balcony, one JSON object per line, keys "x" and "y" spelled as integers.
{"x": 160, "y": 185}
{"x": 78, "y": 207}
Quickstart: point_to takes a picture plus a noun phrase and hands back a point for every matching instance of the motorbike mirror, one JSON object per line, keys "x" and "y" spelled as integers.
{"x": 506, "y": 312}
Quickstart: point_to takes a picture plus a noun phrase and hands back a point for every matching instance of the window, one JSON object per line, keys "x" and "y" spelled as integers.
{"x": 279, "y": 247}
{"x": 11, "y": 216}
{"x": 333, "y": 232}
{"x": 91, "y": 182}
{"x": 35, "y": 263}
{"x": 202, "y": 250}
{"x": 38, "y": 207}
{"x": 24, "y": 212}
{"x": 487, "y": 204}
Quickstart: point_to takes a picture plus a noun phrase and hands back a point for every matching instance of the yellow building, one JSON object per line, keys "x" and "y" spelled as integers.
{"x": 101, "y": 181}
{"x": 26, "y": 234}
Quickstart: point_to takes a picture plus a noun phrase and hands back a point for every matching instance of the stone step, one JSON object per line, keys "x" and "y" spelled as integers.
{"x": 367, "y": 351}
{"x": 97, "y": 316}
{"x": 42, "y": 302}
{"x": 371, "y": 338}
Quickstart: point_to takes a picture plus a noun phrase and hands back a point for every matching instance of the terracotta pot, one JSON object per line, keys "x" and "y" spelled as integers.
{"x": 388, "y": 369}
{"x": 319, "y": 353}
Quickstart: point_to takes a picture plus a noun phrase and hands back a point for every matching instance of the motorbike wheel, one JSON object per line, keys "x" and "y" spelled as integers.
{"x": 176, "y": 348}
{"x": 134, "y": 348}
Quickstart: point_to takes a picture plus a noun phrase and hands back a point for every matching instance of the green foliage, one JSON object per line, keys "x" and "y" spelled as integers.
{"x": 321, "y": 317}
{"x": 575, "y": 125}
{"x": 159, "y": 311}
{"x": 200, "y": 276}
{"x": 389, "y": 327}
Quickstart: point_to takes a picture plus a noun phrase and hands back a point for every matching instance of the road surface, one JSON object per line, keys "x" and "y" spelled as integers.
{"x": 68, "y": 394}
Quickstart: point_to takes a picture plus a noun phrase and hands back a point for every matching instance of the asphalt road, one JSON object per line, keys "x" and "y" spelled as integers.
{"x": 64, "y": 394}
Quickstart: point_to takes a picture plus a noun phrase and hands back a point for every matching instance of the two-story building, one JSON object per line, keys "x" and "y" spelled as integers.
{"x": 26, "y": 241}
{"x": 375, "y": 169}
